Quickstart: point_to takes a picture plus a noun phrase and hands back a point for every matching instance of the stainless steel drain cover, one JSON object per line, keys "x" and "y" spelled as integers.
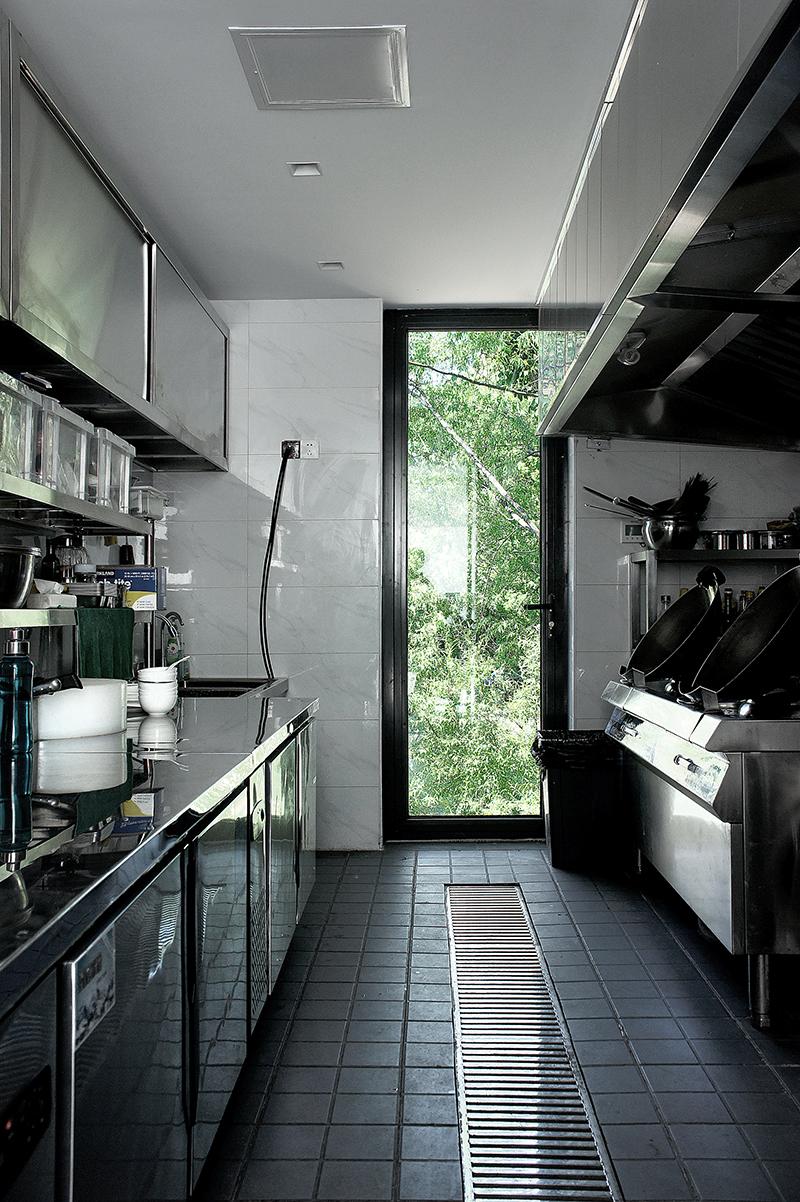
{"x": 526, "y": 1127}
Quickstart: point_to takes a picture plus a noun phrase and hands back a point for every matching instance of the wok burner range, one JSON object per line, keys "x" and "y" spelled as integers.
{"x": 716, "y": 804}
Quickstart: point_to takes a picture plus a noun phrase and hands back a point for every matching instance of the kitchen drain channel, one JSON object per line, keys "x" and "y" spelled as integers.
{"x": 527, "y": 1131}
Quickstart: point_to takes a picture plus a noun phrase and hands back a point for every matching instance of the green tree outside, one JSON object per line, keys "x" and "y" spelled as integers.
{"x": 473, "y": 566}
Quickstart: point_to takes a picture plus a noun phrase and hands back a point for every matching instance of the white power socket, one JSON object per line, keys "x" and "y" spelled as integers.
{"x": 309, "y": 449}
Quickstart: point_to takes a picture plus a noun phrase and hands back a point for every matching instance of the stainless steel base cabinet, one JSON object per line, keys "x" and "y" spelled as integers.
{"x": 282, "y": 785}
{"x": 27, "y": 1097}
{"x": 217, "y": 988}
{"x": 124, "y": 1043}
{"x": 258, "y": 960}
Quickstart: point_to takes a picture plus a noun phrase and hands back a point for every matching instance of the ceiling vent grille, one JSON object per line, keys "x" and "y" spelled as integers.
{"x": 310, "y": 68}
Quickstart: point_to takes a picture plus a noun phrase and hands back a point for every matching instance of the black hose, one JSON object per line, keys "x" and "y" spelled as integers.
{"x": 267, "y": 565}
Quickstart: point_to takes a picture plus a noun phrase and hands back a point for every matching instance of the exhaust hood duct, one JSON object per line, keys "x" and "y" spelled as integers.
{"x": 715, "y": 290}
{"x": 317, "y": 68}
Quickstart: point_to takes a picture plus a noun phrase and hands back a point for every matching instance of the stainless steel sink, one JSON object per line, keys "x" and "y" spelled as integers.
{"x": 231, "y": 686}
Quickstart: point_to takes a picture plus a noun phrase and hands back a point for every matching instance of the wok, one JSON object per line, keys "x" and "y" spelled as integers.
{"x": 759, "y": 650}
{"x": 679, "y": 641}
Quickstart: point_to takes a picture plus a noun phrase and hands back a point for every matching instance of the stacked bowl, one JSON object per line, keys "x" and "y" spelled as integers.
{"x": 158, "y": 689}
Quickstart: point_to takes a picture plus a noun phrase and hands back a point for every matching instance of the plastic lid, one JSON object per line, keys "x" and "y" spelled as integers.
{"x": 51, "y": 405}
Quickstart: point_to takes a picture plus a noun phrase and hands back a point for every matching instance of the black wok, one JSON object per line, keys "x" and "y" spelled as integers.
{"x": 680, "y": 640}
{"x": 759, "y": 651}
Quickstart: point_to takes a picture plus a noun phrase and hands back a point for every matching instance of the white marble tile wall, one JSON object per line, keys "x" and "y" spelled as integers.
{"x": 753, "y": 487}
{"x": 299, "y": 369}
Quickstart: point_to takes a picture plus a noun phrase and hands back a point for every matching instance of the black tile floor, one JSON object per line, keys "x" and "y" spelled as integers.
{"x": 349, "y": 1092}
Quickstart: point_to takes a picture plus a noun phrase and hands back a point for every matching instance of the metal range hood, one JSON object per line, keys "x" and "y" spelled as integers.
{"x": 710, "y": 309}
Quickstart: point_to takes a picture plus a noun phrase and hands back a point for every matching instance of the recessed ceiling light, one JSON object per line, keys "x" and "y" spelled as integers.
{"x": 304, "y": 168}
{"x": 330, "y": 265}
{"x": 316, "y": 68}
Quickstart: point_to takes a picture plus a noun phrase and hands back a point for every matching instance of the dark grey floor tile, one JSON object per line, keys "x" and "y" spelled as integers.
{"x": 653, "y": 1028}
{"x": 430, "y": 1011}
{"x": 571, "y": 972}
{"x": 640, "y": 1007}
{"x": 603, "y": 1051}
{"x": 594, "y": 1028}
{"x": 710, "y": 1141}
{"x": 355, "y": 1079}
{"x": 693, "y": 1108}
{"x": 725, "y": 1051}
{"x": 324, "y": 1032}
{"x": 367, "y": 1031}
{"x": 624, "y": 1108}
{"x": 429, "y": 1032}
{"x": 429, "y": 1081}
{"x": 731, "y": 1180}
{"x": 304, "y": 1080}
{"x": 309, "y": 1055}
{"x": 365, "y": 1108}
{"x": 579, "y": 989}
{"x": 715, "y": 1027}
{"x": 652, "y": 1181}
{"x": 381, "y": 991}
{"x": 289, "y": 1141}
{"x": 378, "y": 1010}
{"x": 733, "y": 1078}
{"x": 775, "y": 1141}
{"x": 430, "y": 1143}
{"x": 622, "y": 990}
{"x": 586, "y": 1008}
{"x": 430, "y": 976}
{"x": 663, "y": 1051}
{"x": 683, "y": 1078}
{"x": 430, "y": 993}
{"x": 762, "y": 1108}
{"x": 357, "y": 1179}
{"x": 785, "y": 1175}
{"x": 435, "y": 1110}
{"x": 270, "y": 1180}
{"x": 320, "y": 991}
{"x": 352, "y": 1142}
{"x": 613, "y": 1079}
{"x": 430, "y": 1055}
{"x": 431, "y": 1181}
{"x": 396, "y": 976}
{"x": 371, "y": 1053}
{"x": 297, "y": 1108}
{"x": 637, "y": 1141}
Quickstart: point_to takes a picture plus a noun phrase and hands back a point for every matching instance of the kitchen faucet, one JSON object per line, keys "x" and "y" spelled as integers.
{"x": 172, "y": 622}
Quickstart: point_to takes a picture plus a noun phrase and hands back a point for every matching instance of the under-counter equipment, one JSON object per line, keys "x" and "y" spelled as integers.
{"x": 716, "y": 806}
{"x": 27, "y": 1097}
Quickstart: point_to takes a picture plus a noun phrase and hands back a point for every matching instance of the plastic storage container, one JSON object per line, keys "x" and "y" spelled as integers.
{"x": 64, "y": 449}
{"x": 147, "y": 501}
{"x": 110, "y": 462}
{"x": 20, "y": 418}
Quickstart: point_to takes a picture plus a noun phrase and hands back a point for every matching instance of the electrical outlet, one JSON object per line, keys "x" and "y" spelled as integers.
{"x": 290, "y": 448}
{"x": 630, "y": 532}
{"x": 309, "y": 449}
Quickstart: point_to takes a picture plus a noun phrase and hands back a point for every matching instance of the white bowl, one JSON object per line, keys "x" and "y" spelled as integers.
{"x": 158, "y": 698}
{"x": 157, "y": 675}
{"x": 158, "y": 732}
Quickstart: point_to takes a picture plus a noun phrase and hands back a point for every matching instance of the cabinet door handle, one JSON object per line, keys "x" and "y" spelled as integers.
{"x": 683, "y": 761}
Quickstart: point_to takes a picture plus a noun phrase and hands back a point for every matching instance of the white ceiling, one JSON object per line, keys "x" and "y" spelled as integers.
{"x": 455, "y": 200}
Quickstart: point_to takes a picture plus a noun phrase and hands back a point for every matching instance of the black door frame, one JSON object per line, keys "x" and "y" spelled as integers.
{"x": 397, "y": 824}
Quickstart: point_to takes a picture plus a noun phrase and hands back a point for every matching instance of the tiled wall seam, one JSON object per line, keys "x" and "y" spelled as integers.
{"x": 297, "y": 369}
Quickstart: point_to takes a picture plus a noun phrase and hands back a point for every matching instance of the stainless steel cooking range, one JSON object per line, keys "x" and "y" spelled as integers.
{"x": 710, "y": 718}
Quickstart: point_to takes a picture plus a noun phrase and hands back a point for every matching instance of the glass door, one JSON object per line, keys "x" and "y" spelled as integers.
{"x": 466, "y": 546}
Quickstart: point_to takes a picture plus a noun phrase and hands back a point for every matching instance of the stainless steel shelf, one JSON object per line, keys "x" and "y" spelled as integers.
{"x": 11, "y": 618}
{"x": 699, "y": 555}
{"x": 25, "y": 503}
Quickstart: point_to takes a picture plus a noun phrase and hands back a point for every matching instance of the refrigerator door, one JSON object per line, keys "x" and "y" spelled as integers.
{"x": 27, "y": 1097}
{"x": 282, "y": 876}
{"x": 124, "y": 1047}
{"x": 219, "y": 1005}
{"x": 259, "y": 894}
{"x": 306, "y": 814}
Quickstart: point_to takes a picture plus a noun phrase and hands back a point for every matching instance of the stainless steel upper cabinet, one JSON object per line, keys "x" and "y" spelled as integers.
{"x": 79, "y": 260}
{"x": 189, "y": 358}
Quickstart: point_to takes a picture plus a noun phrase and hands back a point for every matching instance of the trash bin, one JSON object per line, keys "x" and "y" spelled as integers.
{"x": 582, "y": 790}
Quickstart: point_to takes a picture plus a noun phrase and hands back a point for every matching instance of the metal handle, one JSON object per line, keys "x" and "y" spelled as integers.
{"x": 683, "y": 760}
{"x": 626, "y": 728}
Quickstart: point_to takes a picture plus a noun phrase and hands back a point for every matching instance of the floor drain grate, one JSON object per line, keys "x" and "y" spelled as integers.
{"x": 526, "y": 1126}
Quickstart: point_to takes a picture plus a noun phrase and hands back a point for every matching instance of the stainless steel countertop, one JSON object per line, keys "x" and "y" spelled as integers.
{"x": 45, "y": 909}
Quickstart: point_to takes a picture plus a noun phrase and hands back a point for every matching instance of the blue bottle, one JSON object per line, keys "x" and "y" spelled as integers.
{"x": 16, "y": 698}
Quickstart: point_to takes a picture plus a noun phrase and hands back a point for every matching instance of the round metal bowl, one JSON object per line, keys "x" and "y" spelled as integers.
{"x": 16, "y": 574}
{"x": 669, "y": 531}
